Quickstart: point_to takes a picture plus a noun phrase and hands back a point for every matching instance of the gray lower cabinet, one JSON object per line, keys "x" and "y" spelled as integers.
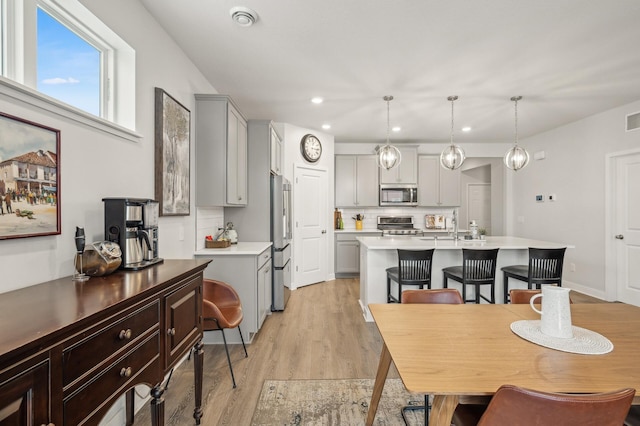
{"x": 347, "y": 252}
{"x": 250, "y": 276}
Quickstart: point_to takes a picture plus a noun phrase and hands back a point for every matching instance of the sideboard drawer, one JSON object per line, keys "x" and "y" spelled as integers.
{"x": 113, "y": 379}
{"x": 102, "y": 343}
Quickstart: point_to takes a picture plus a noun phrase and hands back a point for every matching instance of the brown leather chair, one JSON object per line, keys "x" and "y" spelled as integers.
{"x": 444, "y": 296}
{"x": 221, "y": 309}
{"x": 515, "y": 406}
{"x": 441, "y": 295}
{"x": 521, "y": 297}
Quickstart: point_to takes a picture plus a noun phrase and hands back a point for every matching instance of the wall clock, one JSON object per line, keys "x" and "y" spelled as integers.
{"x": 311, "y": 148}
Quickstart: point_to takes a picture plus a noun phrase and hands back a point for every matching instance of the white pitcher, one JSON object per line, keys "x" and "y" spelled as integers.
{"x": 556, "y": 311}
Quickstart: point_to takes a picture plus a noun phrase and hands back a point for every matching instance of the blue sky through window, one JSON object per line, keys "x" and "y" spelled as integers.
{"x": 68, "y": 66}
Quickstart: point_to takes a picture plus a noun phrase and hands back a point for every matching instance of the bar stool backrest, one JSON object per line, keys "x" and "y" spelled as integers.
{"x": 414, "y": 266}
{"x": 545, "y": 265}
{"x": 479, "y": 266}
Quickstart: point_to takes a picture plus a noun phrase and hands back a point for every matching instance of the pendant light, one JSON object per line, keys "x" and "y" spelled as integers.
{"x": 388, "y": 155}
{"x": 452, "y": 156}
{"x": 517, "y": 157}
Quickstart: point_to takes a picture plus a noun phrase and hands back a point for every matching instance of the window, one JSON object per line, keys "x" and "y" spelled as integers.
{"x": 59, "y": 49}
{"x": 68, "y": 67}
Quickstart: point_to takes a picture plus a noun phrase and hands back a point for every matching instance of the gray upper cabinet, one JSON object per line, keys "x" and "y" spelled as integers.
{"x": 221, "y": 152}
{"x": 276, "y": 152}
{"x": 356, "y": 181}
{"x": 407, "y": 171}
{"x": 437, "y": 186}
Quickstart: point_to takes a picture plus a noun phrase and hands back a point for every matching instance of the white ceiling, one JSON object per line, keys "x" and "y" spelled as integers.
{"x": 568, "y": 59}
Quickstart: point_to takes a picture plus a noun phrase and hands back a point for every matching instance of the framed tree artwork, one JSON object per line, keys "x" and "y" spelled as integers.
{"x": 29, "y": 179}
{"x": 172, "y": 155}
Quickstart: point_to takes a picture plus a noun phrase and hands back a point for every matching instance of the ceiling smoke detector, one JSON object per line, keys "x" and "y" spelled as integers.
{"x": 243, "y": 16}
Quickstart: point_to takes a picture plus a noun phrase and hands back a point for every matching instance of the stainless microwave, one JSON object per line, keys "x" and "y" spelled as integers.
{"x": 398, "y": 195}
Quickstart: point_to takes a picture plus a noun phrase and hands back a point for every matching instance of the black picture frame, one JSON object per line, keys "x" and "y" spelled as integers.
{"x": 172, "y": 155}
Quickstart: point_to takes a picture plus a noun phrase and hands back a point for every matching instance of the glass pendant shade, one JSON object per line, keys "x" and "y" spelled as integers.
{"x": 516, "y": 158}
{"x": 389, "y": 157}
{"x": 452, "y": 157}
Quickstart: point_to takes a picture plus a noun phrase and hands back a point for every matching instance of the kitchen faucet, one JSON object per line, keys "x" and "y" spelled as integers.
{"x": 455, "y": 224}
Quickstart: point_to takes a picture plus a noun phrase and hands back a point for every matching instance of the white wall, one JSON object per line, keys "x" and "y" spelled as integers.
{"x": 94, "y": 165}
{"x": 574, "y": 170}
{"x": 292, "y": 135}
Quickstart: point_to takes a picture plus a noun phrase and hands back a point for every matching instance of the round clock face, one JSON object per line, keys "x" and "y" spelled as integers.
{"x": 311, "y": 148}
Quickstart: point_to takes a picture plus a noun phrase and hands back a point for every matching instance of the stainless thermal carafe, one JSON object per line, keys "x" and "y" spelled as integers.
{"x": 133, "y": 251}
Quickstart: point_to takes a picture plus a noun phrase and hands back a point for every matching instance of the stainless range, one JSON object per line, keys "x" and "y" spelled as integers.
{"x": 398, "y": 226}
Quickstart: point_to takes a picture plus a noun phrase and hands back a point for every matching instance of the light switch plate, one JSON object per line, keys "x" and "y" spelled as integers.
{"x": 540, "y": 198}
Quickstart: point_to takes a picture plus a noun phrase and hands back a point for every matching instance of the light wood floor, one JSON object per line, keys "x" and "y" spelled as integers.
{"x": 320, "y": 335}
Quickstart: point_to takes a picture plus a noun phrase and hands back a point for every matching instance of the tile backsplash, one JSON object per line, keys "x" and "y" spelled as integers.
{"x": 208, "y": 220}
{"x": 371, "y": 215}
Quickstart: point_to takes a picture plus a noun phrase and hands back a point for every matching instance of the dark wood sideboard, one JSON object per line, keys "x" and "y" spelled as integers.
{"x": 69, "y": 350}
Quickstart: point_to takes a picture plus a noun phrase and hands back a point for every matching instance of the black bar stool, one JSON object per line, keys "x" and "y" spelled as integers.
{"x": 478, "y": 268}
{"x": 545, "y": 267}
{"x": 414, "y": 269}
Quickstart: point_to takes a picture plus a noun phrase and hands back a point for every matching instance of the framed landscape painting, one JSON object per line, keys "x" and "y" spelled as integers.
{"x": 29, "y": 179}
{"x": 172, "y": 143}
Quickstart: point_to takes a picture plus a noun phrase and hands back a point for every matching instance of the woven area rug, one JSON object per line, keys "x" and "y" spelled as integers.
{"x": 333, "y": 402}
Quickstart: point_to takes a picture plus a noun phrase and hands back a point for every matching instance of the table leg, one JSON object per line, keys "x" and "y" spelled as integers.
{"x": 157, "y": 406}
{"x": 381, "y": 376}
{"x": 198, "y": 370}
{"x": 442, "y": 410}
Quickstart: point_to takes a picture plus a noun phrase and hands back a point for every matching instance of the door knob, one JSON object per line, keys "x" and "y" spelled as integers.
{"x": 324, "y": 231}
{"x": 619, "y": 237}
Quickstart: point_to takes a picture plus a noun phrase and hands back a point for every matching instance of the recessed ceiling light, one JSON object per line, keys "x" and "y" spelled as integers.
{"x": 396, "y": 129}
{"x": 317, "y": 100}
{"x": 466, "y": 129}
{"x": 243, "y": 16}
{"x": 326, "y": 126}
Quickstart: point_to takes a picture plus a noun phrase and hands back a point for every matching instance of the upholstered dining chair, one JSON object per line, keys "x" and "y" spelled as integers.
{"x": 478, "y": 268}
{"x": 414, "y": 269}
{"x": 222, "y": 309}
{"x": 545, "y": 267}
{"x": 515, "y": 406}
{"x": 521, "y": 296}
{"x": 445, "y": 296}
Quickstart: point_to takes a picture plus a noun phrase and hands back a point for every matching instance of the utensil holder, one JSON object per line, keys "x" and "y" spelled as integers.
{"x": 359, "y": 225}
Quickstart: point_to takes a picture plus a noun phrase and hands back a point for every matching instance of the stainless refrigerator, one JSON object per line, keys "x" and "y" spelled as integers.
{"x": 281, "y": 238}
{"x": 267, "y": 215}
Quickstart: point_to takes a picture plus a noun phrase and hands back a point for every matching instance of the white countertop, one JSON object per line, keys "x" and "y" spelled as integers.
{"x": 416, "y": 243}
{"x": 357, "y": 231}
{"x": 240, "y": 249}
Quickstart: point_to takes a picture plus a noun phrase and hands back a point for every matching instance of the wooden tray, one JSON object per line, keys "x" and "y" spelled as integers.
{"x": 217, "y": 244}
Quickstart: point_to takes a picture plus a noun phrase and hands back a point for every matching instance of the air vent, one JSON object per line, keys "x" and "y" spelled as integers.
{"x": 243, "y": 16}
{"x": 633, "y": 121}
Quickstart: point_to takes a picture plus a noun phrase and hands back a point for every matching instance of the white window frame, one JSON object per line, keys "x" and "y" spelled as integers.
{"x": 117, "y": 92}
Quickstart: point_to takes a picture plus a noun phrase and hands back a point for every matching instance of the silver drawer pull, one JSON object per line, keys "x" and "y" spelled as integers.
{"x": 125, "y": 372}
{"x": 125, "y": 334}
{"x": 171, "y": 332}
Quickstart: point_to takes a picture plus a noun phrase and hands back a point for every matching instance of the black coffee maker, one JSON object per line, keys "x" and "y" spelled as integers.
{"x": 133, "y": 224}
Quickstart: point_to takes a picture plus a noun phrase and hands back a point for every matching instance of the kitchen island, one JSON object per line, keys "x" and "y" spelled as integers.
{"x": 379, "y": 253}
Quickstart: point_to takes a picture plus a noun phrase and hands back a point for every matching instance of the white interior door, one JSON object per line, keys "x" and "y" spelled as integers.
{"x": 479, "y": 205}
{"x": 627, "y": 228}
{"x": 310, "y": 230}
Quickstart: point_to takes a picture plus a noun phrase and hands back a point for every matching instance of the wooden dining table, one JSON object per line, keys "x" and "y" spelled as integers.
{"x": 458, "y": 353}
